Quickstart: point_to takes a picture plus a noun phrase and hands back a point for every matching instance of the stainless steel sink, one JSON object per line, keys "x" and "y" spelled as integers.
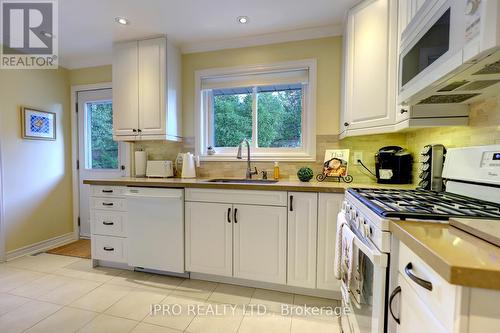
{"x": 242, "y": 181}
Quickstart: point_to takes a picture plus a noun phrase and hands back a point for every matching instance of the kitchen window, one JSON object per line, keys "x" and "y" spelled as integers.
{"x": 272, "y": 106}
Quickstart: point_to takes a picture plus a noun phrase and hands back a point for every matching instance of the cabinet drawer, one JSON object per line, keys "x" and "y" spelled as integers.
{"x": 109, "y": 223}
{"x": 110, "y": 203}
{"x": 415, "y": 316}
{"x": 107, "y": 191}
{"x": 109, "y": 248}
{"x": 443, "y": 300}
{"x": 246, "y": 197}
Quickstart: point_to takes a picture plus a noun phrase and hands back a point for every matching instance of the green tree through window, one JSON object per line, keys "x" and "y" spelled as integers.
{"x": 279, "y": 116}
{"x": 102, "y": 148}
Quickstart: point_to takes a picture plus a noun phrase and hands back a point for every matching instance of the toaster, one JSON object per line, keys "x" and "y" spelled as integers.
{"x": 159, "y": 169}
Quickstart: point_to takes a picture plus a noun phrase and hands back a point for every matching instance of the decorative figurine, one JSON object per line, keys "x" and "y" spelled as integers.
{"x": 305, "y": 174}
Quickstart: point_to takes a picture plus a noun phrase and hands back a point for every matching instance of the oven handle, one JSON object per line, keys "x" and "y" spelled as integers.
{"x": 391, "y": 298}
{"x": 376, "y": 257}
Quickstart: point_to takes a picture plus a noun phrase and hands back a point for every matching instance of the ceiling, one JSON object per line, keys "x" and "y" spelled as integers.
{"x": 87, "y": 27}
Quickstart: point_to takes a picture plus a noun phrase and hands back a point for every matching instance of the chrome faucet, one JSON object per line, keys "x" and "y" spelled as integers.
{"x": 250, "y": 172}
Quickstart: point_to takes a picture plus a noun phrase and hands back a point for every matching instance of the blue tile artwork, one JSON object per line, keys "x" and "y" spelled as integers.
{"x": 39, "y": 124}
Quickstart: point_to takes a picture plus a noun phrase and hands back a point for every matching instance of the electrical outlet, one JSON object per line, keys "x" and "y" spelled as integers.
{"x": 357, "y": 155}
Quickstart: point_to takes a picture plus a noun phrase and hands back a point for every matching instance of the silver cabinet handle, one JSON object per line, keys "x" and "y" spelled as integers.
{"x": 391, "y": 298}
{"x": 421, "y": 282}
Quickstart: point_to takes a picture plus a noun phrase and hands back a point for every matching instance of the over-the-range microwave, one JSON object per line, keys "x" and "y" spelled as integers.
{"x": 450, "y": 53}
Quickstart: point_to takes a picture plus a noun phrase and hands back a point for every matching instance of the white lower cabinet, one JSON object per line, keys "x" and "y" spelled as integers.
{"x": 209, "y": 238}
{"x": 236, "y": 240}
{"x": 284, "y": 238}
{"x": 260, "y": 243}
{"x": 414, "y": 316}
{"x": 302, "y": 232}
{"x": 329, "y": 205}
{"x": 108, "y": 225}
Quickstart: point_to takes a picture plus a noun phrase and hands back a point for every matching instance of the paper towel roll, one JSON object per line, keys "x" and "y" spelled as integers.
{"x": 141, "y": 158}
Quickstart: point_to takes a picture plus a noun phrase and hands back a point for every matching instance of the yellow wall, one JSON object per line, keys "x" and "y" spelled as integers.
{"x": 484, "y": 122}
{"x": 37, "y": 174}
{"x": 90, "y": 75}
{"x": 327, "y": 51}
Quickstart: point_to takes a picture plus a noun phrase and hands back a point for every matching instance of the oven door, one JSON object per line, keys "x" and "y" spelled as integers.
{"x": 366, "y": 300}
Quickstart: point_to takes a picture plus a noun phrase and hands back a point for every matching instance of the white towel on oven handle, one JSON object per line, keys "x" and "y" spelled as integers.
{"x": 348, "y": 253}
{"x": 337, "y": 265}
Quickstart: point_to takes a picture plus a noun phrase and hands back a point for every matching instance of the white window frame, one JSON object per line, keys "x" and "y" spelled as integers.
{"x": 305, "y": 153}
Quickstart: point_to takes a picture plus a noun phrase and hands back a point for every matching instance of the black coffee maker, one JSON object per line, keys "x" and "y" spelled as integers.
{"x": 393, "y": 165}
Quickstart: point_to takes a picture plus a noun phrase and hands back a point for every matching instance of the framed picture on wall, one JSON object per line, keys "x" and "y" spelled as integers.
{"x": 37, "y": 124}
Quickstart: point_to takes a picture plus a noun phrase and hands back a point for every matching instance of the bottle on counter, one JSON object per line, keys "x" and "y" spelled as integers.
{"x": 276, "y": 171}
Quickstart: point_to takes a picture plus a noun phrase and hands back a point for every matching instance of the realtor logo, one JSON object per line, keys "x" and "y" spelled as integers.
{"x": 28, "y": 31}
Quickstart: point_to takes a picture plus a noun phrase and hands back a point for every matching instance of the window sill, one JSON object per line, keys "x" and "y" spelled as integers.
{"x": 257, "y": 158}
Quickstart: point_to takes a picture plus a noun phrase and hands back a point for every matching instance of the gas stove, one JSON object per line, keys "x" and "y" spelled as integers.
{"x": 424, "y": 205}
{"x": 472, "y": 192}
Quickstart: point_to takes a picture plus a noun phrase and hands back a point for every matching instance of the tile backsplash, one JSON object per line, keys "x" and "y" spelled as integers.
{"x": 484, "y": 129}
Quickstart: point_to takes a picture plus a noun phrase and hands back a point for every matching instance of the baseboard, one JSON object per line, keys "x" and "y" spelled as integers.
{"x": 332, "y": 294}
{"x": 41, "y": 246}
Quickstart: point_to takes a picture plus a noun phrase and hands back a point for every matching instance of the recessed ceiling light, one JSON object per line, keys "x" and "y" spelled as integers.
{"x": 122, "y": 20}
{"x": 243, "y": 19}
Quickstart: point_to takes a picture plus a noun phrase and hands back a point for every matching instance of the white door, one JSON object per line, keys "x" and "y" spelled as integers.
{"x": 329, "y": 205}
{"x": 209, "y": 239}
{"x": 99, "y": 157}
{"x": 2, "y": 227}
{"x": 260, "y": 243}
{"x": 302, "y": 228}
{"x": 125, "y": 89}
{"x": 152, "y": 78}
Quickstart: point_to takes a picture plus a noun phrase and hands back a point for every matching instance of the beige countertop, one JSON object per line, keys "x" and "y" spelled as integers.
{"x": 282, "y": 185}
{"x": 460, "y": 258}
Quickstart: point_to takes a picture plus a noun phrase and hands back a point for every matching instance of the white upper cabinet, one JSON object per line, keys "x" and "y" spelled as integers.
{"x": 369, "y": 96}
{"x": 146, "y": 90}
{"x": 302, "y": 229}
{"x": 125, "y": 88}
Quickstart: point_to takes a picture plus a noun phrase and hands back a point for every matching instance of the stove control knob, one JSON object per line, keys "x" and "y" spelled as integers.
{"x": 472, "y": 6}
{"x": 366, "y": 230}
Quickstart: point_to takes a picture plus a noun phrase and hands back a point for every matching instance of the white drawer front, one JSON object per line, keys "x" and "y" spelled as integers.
{"x": 110, "y": 203}
{"x": 109, "y": 248}
{"x": 107, "y": 191}
{"x": 443, "y": 297}
{"x": 246, "y": 197}
{"x": 109, "y": 223}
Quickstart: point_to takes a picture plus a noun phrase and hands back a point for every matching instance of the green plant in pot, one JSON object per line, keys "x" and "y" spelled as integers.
{"x": 305, "y": 174}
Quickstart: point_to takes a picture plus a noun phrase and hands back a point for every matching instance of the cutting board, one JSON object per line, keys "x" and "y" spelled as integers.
{"x": 489, "y": 230}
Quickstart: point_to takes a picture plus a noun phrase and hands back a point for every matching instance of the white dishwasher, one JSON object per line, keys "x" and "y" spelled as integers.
{"x": 156, "y": 228}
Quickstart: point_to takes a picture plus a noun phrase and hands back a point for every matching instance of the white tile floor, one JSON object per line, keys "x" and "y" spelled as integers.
{"x": 50, "y": 293}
